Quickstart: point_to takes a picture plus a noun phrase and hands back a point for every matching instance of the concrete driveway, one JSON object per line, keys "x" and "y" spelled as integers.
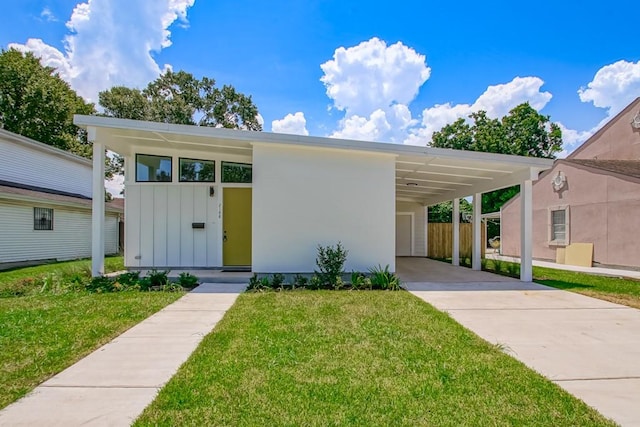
{"x": 589, "y": 347}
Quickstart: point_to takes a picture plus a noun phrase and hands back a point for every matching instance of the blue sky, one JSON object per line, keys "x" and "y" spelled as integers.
{"x": 393, "y": 72}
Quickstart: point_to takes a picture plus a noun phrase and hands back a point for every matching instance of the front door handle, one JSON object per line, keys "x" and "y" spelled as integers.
{"x": 224, "y": 236}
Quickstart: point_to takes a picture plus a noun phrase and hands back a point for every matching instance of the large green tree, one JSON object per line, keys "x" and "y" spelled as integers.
{"x": 523, "y": 132}
{"x": 35, "y": 102}
{"x": 181, "y": 98}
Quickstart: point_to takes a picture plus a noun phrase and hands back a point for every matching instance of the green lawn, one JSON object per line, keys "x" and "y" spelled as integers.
{"x": 620, "y": 290}
{"x": 43, "y": 332}
{"x": 366, "y": 358}
{"x": 614, "y": 289}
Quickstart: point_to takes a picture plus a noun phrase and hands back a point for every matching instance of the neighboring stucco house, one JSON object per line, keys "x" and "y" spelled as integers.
{"x": 45, "y": 204}
{"x": 199, "y": 197}
{"x": 592, "y": 196}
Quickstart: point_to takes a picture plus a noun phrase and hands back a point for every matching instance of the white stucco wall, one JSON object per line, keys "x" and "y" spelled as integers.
{"x": 305, "y": 196}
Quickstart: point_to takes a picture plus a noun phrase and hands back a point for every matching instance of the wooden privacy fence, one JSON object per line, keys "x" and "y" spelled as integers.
{"x": 440, "y": 240}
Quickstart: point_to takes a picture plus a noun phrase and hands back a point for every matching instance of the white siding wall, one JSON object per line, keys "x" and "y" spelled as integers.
{"x": 419, "y": 234}
{"x": 69, "y": 239}
{"x": 26, "y": 165}
{"x": 305, "y": 196}
{"x": 158, "y": 226}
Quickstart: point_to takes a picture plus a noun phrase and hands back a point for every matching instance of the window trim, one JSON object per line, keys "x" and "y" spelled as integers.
{"x": 180, "y": 159}
{"x": 567, "y": 225}
{"x": 222, "y": 163}
{"x": 51, "y": 223}
{"x": 153, "y": 155}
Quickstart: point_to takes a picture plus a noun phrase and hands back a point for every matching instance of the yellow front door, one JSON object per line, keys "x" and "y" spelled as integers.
{"x": 236, "y": 222}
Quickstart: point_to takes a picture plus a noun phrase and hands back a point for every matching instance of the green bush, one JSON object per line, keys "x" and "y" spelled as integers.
{"x": 187, "y": 280}
{"x": 300, "y": 281}
{"x": 254, "y": 284}
{"x": 157, "y": 279}
{"x": 513, "y": 269}
{"x": 382, "y": 278}
{"x": 100, "y": 284}
{"x": 497, "y": 265}
{"x": 277, "y": 280}
{"x": 483, "y": 263}
{"x": 358, "y": 280}
{"x": 330, "y": 262}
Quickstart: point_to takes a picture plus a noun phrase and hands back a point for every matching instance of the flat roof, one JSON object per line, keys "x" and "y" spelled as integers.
{"x": 425, "y": 175}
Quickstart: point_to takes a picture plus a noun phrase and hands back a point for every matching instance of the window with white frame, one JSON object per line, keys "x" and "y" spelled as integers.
{"x": 42, "y": 219}
{"x": 559, "y": 225}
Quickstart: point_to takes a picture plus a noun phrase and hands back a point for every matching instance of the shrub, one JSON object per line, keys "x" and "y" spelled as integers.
{"x": 129, "y": 279}
{"x": 497, "y": 265}
{"x": 100, "y": 284}
{"x": 157, "y": 279}
{"x": 357, "y": 280}
{"x": 382, "y": 278}
{"x": 277, "y": 280}
{"x": 512, "y": 268}
{"x": 187, "y": 280}
{"x": 254, "y": 283}
{"x": 300, "y": 281}
{"x": 483, "y": 263}
{"x": 330, "y": 262}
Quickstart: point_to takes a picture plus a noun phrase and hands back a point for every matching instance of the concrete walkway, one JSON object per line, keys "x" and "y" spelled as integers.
{"x": 113, "y": 385}
{"x": 589, "y": 347}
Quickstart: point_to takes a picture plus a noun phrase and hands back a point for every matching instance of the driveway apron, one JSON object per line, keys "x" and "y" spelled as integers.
{"x": 589, "y": 347}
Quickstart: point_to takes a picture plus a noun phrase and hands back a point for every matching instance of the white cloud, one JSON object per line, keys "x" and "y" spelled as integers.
{"x": 47, "y": 15}
{"x": 110, "y": 43}
{"x": 372, "y": 75}
{"x": 115, "y": 185}
{"x": 613, "y": 87}
{"x": 292, "y": 123}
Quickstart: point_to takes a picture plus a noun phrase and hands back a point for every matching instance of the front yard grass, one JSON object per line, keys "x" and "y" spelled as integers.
{"x": 44, "y": 332}
{"x": 355, "y": 358}
{"x": 620, "y": 290}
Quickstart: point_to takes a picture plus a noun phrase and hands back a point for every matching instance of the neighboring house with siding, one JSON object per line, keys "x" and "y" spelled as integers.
{"x": 45, "y": 204}
{"x": 592, "y": 196}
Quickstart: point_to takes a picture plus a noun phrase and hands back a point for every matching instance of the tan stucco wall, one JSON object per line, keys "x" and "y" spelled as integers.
{"x": 617, "y": 140}
{"x": 604, "y": 210}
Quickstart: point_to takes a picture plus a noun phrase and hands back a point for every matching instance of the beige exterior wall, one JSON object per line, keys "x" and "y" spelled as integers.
{"x": 603, "y": 210}
{"x": 617, "y": 140}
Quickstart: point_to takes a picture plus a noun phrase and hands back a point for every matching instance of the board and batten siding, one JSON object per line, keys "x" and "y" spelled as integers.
{"x": 69, "y": 239}
{"x": 24, "y": 164}
{"x": 158, "y": 226}
{"x": 419, "y": 232}
{"x": 307, "y": 196}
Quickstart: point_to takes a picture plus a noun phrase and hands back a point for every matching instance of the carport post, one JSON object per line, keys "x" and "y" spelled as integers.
{"x": 477, "y": 226}
{"x": 526, "y": 231}
{"x": 97, "y": 206}
{"x": 455, "y": 250}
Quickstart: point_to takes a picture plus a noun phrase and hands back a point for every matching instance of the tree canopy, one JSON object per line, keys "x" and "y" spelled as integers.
{"x": 35, "y": 102}
{"x": 523, "y": 132}
{"x": 180, "y": 98}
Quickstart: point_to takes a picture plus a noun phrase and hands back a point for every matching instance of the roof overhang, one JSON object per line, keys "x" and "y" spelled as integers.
{"x": 424, "y": 175}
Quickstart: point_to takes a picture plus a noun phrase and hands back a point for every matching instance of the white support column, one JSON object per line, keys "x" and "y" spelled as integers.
{"x": 426, "y": 231}
{"x": 97, "y": 206}
{"x": 455, "y": 249}
{"x": 526, "y": 231}
{"x": 477, "y": 236}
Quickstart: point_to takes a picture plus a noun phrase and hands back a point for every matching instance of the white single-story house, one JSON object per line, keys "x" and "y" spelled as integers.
{"x": 45, "y": 204}
{"x": 220, "y": 198}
